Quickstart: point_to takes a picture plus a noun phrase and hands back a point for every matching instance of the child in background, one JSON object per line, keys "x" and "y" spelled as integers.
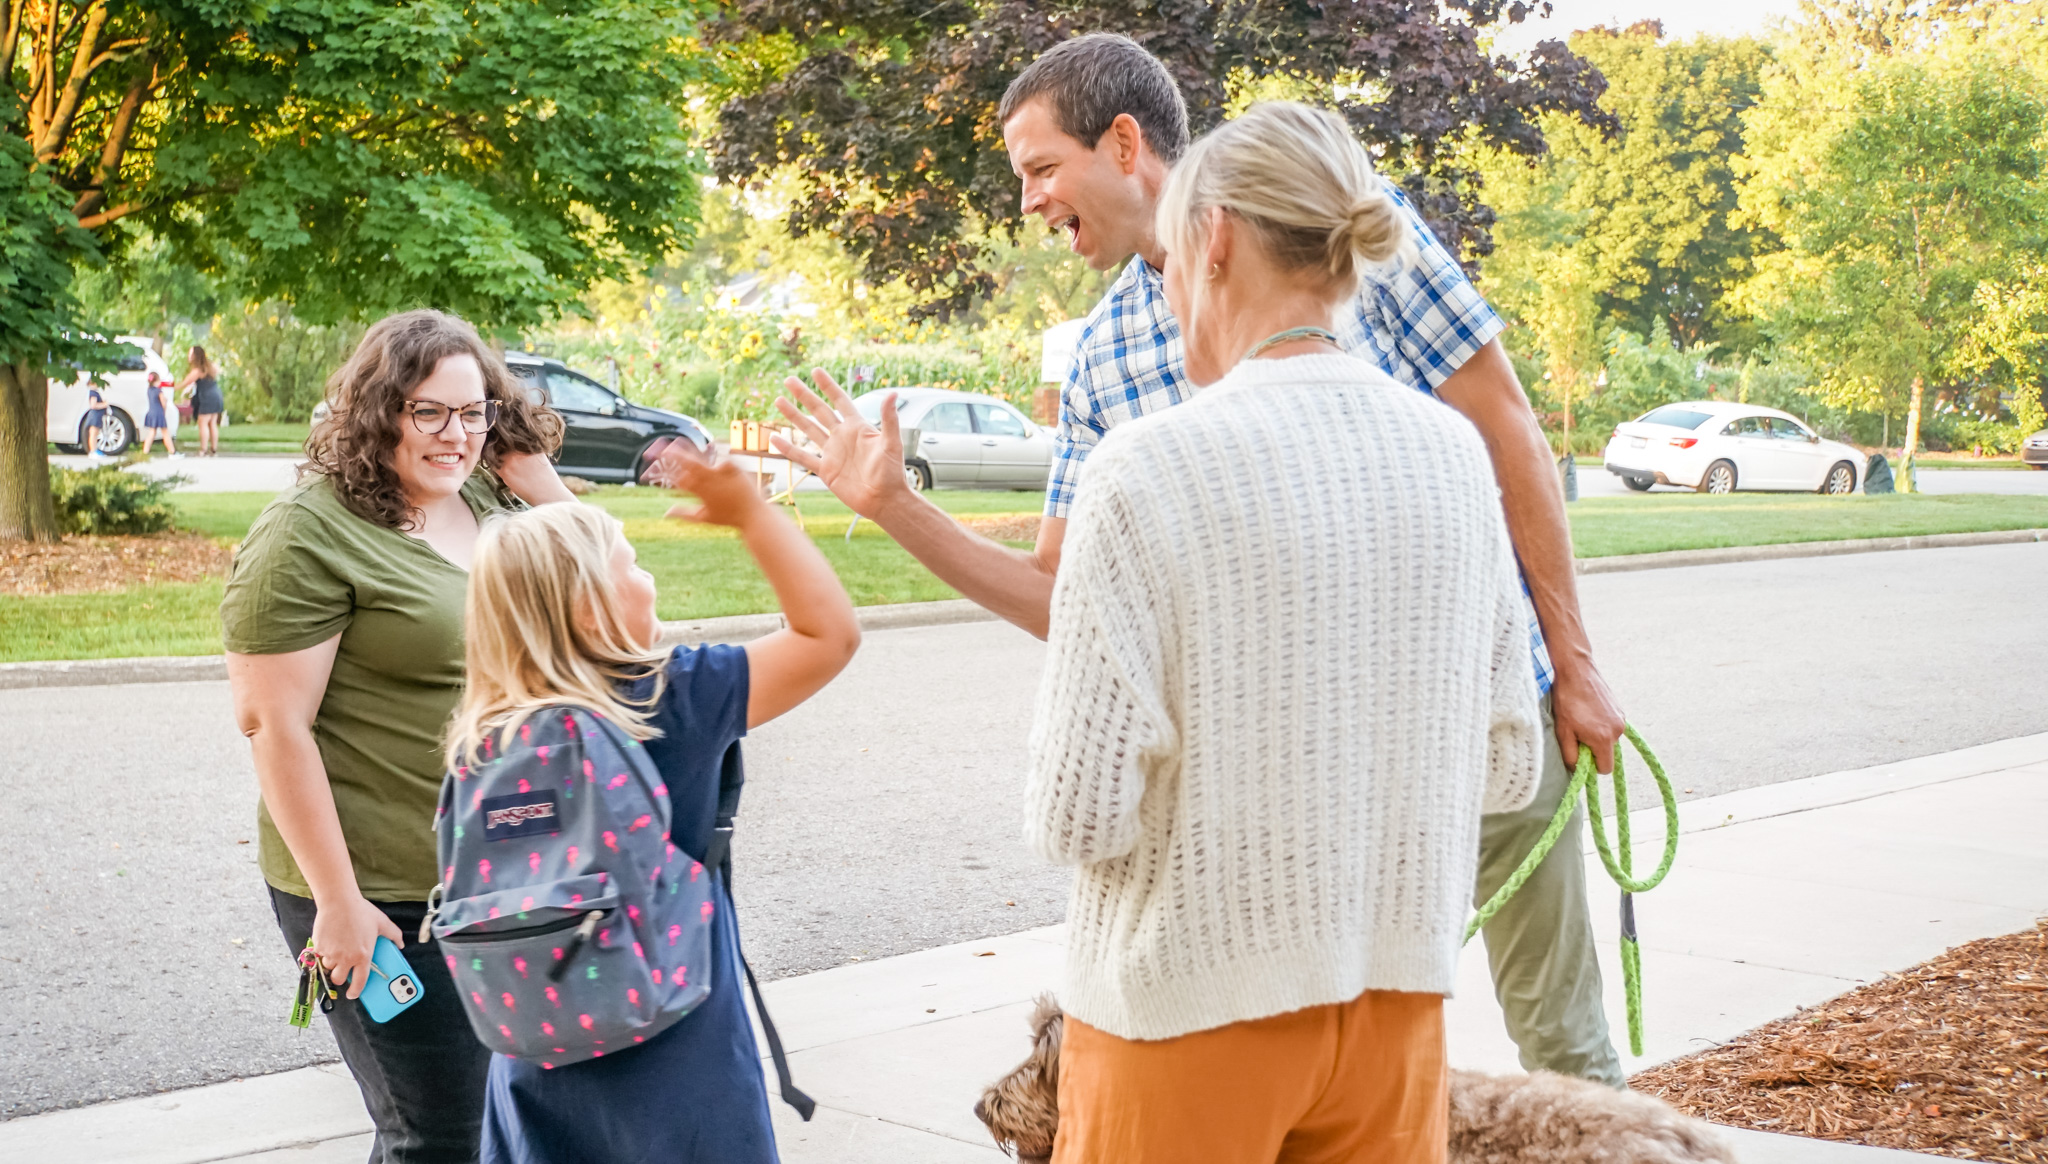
{"x": 558, "y": 612}
{"x": 162, "y": 418}
{"x": 95, "y": 420}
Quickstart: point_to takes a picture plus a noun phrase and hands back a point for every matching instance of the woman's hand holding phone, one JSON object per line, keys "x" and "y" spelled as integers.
{"x": 345, "y": 937}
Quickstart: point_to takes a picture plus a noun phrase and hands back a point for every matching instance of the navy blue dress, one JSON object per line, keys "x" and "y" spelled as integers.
{"x": 692, "y": 1094}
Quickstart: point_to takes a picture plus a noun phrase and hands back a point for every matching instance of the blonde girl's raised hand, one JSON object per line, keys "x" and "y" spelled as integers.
{"x": 726, "y": 494}
{"x": 791, "y": 665}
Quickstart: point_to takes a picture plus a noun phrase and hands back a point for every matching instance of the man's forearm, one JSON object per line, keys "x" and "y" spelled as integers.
{"x": 1534, "y": 507}
{"x": 1486, "y": 391}
{"x": 1015, "y": 585}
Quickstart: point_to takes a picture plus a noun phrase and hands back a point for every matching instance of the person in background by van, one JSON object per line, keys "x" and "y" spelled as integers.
{"x": 162, "y": 418}
{"x": 95, "y": 420}
{"x": 203, "y": 376}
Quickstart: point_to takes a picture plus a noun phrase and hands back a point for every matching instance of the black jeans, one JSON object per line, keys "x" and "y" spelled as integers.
{"x": 422, "y": 1073}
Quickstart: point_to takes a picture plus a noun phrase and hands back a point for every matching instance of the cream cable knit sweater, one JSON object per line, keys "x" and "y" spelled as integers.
{"x": 1288, "y": 667}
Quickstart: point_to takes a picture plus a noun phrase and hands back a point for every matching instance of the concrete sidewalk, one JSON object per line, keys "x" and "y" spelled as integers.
{"x": 1782, "y": 896}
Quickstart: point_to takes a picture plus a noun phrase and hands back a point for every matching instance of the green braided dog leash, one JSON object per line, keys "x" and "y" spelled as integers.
{"x": 1619, "y": 860}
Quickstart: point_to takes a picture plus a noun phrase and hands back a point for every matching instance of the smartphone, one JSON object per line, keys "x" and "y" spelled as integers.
{"x": 393, "y": 986}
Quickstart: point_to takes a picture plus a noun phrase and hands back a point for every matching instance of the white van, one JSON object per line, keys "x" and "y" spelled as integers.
{"x": 127, "y": 393}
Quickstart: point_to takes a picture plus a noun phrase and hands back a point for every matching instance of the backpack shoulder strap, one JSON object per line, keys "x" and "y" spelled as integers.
{"x": 732, "y": 777}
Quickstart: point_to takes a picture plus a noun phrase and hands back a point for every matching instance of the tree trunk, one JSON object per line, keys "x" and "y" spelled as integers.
{"x": 1906, "y": 454}
{"x": 25, "y": 509}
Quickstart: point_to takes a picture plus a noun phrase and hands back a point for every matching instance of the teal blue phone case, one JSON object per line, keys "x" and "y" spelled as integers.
{"x": 393, "y": 985}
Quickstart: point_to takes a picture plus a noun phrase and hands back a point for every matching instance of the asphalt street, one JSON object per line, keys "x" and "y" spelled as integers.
{"x": 137, "y": 952}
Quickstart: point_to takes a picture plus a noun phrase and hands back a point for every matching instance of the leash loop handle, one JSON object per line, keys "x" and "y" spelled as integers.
{"x": 1620, "y": 866}
{"x": 1622, "y": 869}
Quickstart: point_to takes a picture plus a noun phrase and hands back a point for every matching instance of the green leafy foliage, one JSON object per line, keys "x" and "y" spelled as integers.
{"x": 1819, "y": 222}
{"x": 1646, "y": 213}
{"x": 276, "y": 365}
{"x": 1914, "y": 182}
{"x": 886, "y": 108}
{"x": 490, "y": 157}
{"x": 351, "y": 157}
{"x": 690, "y": 354}
{"x": 109, "y": 500}
{"x": 39, "y": 242}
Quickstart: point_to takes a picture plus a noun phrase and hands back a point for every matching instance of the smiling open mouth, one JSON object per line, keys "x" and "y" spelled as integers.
{"x": 1072, "y": 225}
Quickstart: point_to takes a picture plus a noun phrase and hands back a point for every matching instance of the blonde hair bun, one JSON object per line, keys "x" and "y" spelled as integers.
{"x": 1373, "y": 231}
{"x": 1301, "y": 180}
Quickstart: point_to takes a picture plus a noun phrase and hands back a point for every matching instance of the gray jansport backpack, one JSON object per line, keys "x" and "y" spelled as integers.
{"x": 571, "y": 924}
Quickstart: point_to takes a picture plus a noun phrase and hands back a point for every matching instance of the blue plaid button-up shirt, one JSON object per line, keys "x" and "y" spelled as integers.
{"x": 1419, "y": 325}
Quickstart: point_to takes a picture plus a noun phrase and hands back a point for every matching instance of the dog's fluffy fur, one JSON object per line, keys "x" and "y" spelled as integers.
{"x": 1528, "y": 1119}
{"x": 1022, "y": 1109}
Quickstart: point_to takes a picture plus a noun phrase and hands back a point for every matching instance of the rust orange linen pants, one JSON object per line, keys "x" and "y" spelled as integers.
{"x": 1359, "y": 1082}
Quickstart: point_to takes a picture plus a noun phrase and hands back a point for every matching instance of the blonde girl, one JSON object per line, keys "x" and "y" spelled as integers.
{"x": 559, "y": 612}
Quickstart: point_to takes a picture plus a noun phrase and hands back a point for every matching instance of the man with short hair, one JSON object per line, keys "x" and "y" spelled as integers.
{"x": 1092, "y": 127}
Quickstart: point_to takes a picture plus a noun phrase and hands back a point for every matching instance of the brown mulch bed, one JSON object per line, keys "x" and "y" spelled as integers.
{"x": 1004, "y": 527}
{"x": 93, "y": 565}
{"x": 1950, "y": 1058}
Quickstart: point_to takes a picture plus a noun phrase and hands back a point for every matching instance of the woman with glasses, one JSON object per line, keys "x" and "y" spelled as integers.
{"x": 343, "y": 625}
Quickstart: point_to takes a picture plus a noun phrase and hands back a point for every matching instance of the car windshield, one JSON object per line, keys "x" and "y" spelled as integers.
{"x": 1674, "y": 416}
{"x": 870, "y": 406}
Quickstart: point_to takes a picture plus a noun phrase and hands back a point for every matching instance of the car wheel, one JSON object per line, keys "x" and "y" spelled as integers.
{"x": 1719, "y": 478}
{"x": 1639, "y": 483}
{"x": 916, "y": 476}
{"x": 117, "y": 436}
{"x": 1841, "y": 480}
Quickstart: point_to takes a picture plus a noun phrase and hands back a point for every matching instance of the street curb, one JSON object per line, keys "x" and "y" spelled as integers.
{"x": 1670, "y": 559}
{"x": 737, "y": 628}
{"x": 740, "y": 628}
{"x": 104, "y": 672}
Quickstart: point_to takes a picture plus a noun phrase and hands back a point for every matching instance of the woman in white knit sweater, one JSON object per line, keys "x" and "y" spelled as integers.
{"x": 1289, "y": 668}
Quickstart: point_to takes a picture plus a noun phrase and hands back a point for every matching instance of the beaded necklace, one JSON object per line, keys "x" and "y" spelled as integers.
{"x": 1293, "y": 333}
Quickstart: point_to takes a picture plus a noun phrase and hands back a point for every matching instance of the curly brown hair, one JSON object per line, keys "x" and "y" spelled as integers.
{"x": 352, "y": 447}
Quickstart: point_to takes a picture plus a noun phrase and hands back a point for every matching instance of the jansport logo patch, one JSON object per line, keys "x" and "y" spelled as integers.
{"x": 522, "y": 814}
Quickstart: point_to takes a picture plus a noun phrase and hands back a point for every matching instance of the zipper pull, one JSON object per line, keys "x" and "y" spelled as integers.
{"x": 583, "y": 934}
{"x": 427, "y": 919}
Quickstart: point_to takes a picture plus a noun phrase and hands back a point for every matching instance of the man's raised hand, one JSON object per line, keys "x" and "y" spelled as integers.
{"x": 862, "y": 465}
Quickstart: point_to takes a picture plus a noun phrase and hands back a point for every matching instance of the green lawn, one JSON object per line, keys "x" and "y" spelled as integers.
{"x": 701, "y": 573}
{"x": 704, "y": 572}
{"x": 250, "y": 438}
{"x": 1604, "y": 526}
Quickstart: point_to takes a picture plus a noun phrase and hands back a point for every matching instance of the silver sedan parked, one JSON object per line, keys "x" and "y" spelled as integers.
{"x": 959, "y": 440}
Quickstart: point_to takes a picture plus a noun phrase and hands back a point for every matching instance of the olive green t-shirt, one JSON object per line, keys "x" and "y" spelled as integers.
{"x": 309, "y": 570}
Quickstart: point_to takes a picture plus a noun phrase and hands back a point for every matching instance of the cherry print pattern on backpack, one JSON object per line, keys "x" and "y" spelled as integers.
{"x": 572, "y": 926}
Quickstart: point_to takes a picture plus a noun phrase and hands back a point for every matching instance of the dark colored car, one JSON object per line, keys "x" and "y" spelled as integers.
{"x": 604, "y": 434}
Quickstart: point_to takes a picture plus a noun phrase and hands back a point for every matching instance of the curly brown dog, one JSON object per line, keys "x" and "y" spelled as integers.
{"x": 1530, "y": 1119}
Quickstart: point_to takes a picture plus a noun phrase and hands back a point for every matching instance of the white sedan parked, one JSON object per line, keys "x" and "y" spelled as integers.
{"x": 960, "y": 440}
{"x": 1717, "y": 447}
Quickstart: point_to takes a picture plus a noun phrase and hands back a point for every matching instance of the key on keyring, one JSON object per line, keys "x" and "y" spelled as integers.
{"x": 302, "y": 999}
